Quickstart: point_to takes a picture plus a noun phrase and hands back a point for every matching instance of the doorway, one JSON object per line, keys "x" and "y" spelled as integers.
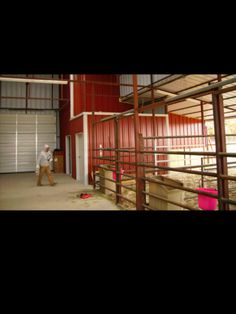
{"x": 68, "y": 155}
{"x": 80, "y": 157}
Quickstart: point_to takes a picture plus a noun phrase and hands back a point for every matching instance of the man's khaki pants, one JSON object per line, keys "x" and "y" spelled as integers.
{"x": 45, "y": 170}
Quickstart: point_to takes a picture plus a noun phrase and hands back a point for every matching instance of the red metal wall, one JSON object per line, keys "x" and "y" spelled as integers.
{"x": 178, "y": 125}
{"x": 106, "y": 97}
{"x": 68, "y": 127}
{"x": 107, "y": 101}
{"x": 76, "y": 126}
{"x": 64, "y": 114}
{"x": 104, "y": 135}
{"x": 181, "y": 125}
{"x": 79, "y": 95}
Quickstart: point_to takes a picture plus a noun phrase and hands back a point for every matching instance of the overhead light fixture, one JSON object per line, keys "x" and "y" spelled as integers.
{"x": 30, "y": 80}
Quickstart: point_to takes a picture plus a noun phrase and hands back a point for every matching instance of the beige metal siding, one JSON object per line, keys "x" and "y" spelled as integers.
{"x": 7, "y": 143}
{"x": 16, "y": 89}
{"x": 22, "y": 137}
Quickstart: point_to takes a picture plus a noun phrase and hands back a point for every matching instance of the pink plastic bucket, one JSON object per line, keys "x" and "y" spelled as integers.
{"x": 114, "y": 174}
{"x": 207, "y": 202}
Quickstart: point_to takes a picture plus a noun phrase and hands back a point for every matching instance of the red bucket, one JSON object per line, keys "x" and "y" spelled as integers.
{"x": 114, "y": 174}
{"x": 207, "y": 202}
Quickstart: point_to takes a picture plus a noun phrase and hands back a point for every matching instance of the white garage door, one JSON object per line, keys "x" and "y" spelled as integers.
{"x": 22, "y": 137}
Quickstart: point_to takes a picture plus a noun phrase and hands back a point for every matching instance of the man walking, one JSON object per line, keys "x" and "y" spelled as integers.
{"x": 43, "y": 166}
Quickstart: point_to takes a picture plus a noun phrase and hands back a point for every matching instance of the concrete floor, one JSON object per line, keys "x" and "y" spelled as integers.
{"x": 19, "y": 192}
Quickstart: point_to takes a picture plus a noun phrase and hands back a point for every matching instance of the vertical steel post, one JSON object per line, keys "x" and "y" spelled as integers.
{"x": 220, "y": 140}
{"x": 117, "y": 154}
{"x": 202, "y": 124}
{"x": 52, "y": 94}
{"x": 184, "y": 156}
{"x": 84, "y": 93}
{"x": 153, "y": 123}
{"x": 93, "y": 140}
{"x": 140, "y": 185}
{"x": 202, "y": 169}
{"x": 0, "y": 94}
{"x": 203, "y": 143}
{"x": 26, "y": 98}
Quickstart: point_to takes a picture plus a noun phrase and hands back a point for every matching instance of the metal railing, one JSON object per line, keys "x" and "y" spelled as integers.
{"x": 138, "y": 154}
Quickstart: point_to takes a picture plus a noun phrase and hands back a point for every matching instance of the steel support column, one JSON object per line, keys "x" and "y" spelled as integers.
{"x": 117, "y": 153}
{"x": 153, "y": 123}
{"x": 52, "y": 94}
{"x": 26, "y": 99}
{"x": 140, "y": 171}
{"x": 93, "y": 140}
{"x": 220, "y": 140}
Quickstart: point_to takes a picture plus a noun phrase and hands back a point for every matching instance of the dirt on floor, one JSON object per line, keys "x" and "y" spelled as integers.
{"x": 19, "y": 192}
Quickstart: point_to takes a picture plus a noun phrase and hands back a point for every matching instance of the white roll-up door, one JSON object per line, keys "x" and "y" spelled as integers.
{"x": 22, "y": 137}
{"x": 7, "y": 143}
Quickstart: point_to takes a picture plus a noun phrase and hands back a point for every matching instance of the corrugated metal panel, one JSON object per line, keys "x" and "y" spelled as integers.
{"x": 26, "y": 140}
{"x": 26, "y": 119}
{"x": 126, "y": 90}
{"x": 47, "y": 128}
{"x": 105, "y": 137}
{"x": 29, "y": 112}
{"x": 13, "y": 90}
{"x": 143, "y": 79}
{"x": 75, "y": 126}
{"x": 158, "y": 77}
{"x": 43, "y": 113}
{"x": 106, "y": 97}
{"x": 21, "y": 140}
{"x": 7, "y": 119}
{"x": 26, "y": 128}
{"x": 46, "y": 120}
{"x": 79, "y": 96}
{"x": 186, "y": 82}
{"x": 40, "y": 91}
{"x": 7, "y": 128}
{"x": 179, "y": 125}
{"x": 7, "y": 139}
{"x": 180, "y": 105}
{"x": 44, "y": 138}
{"x": 45, "y": 76}
{"x": 55, "y": 95}
{"x": 7, "y": 143}
{"x": 14, "y": 75}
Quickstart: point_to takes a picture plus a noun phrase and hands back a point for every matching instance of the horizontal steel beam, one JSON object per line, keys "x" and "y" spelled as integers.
{"x": 169, "y": 201}
{"x": 179, "y": 187}
{"x": 34, "y": 98}
{"x": 6, "y": 108}
{"x": 115, "y": 116}
{"x": 156, "y": 152}
{"x": 32, "y": 80}
{"x": 198, "y": 92}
